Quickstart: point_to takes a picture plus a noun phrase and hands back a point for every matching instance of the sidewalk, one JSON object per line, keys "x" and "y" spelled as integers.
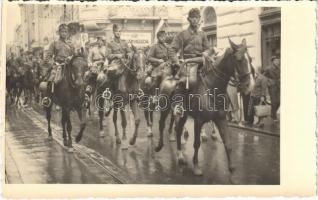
{"x": 31, "y": 158}
{"x": 270, "y": 127}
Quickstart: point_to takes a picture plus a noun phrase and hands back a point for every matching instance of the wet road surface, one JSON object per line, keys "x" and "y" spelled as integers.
{"x": 101, "y": 160}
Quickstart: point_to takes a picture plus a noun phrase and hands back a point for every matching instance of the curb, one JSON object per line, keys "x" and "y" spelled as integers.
{"x": 255, "y": 130}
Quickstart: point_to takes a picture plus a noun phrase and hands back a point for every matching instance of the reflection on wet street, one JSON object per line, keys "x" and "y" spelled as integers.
{"x": 256, "y": 156}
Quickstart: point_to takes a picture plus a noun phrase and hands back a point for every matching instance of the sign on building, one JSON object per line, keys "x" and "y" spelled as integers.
{"x": 137, "y": 39}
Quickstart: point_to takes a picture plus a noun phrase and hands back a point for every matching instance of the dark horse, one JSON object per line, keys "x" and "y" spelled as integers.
{"x": 234, "y": 63}
{"x": 151, "y": 86}
{"x": 69, "y": 94}
{"x": 124, "y": 87}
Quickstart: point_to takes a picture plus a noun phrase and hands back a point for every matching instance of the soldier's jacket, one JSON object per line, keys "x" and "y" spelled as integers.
{"x": 273, "y": 75}
{"x": 118, "y": 47}
{"x": 97, "y": 54}
{"x": 158, "y": 51}
{"x": 193, "y": 44}
{"x": 60, "y": 50}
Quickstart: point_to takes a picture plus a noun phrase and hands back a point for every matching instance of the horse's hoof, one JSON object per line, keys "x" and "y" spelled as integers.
{"x": 197, "y": 170}
{"x": 149, "y": 132}
{"x": 50, "y": 138}
{"x": 78, "y": 138}
{"x": 132, "y": 140}
{"x": 65, "y": 142}
{"x": 183, "y": 141}
{"x": 118, "y": 141}
{"x": 180, "y": 158}
{"x": 204, "y": 138}
{"x": 124, "y": 145}
{"x": 101, "y": 134}
{"x": 70, "y": 149}
{"x": 159, "y": 147}
{"x": 231, "y": 169}
{"x": 186, "y": 133}
{"x": 172, "y": 137}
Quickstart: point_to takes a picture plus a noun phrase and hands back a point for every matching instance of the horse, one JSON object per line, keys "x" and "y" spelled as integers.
{"x": 69, "y": 94}
{"x": 11, "y": 75}
{"x": 235, "y": 62}
{"x": 121, "y": 86}
{"x": 151, "y": 87}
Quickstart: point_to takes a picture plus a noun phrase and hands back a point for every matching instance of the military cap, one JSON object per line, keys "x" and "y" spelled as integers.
{"x": 116, "y": 27}
{"x": 160, "y": 33}
{"x": 63, "y": 27}
{"x": 275, "y": 57}
{"x": 194, "y": 12}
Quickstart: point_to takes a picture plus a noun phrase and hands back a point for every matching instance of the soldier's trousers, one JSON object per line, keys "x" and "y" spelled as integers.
{"x": 274, "y": 93}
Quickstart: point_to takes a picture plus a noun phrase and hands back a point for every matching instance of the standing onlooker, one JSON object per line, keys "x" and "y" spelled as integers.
{"x": 272, "y": 73}
{"x": 248, "y": 117}
{"x": 257, "y": 97}
{"x": 234, "y": 108}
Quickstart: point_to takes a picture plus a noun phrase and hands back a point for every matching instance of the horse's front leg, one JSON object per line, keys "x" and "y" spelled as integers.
{"x": 118, "y": 141}
{"x": 149, "y": 124}
{"x": 162, "y": 121}
{"x": 100, "y": 107}
{"x": 224, "y": 132}
{"x": 180, "y": 122}
{"x": 69, "y": 130}
{"x": 81, "y": 112}
{"x": 63, "y": 122}
{"x": 48, "y": 118}
{"x": 196, "y": 145}
{"x": 134, "y": 108}
{"x": 172, "y": 136}
{"x": 124, "y": 125}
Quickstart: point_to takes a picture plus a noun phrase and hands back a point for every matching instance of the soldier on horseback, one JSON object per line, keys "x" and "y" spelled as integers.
{"x": 58, "y": 54}
{"x": 118, "y": 52}
{"x": 118, "y": 48}
{"x": 158, "y": 53}
{"x": 191, "y": 43}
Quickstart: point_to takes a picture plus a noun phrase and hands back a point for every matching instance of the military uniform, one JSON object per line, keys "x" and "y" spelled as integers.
{"x": 273, "y": 82}
{"x": 156, "y": 52}
{"x": 118, "y": 47}
{"x": 193, "y": 44}
{"x": 97, "y": 55}
{"x": 60, "y": 50}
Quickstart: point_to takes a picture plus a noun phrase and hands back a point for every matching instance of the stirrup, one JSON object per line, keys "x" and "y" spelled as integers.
{"x": 178, "y": 111}
{"x": 46, "y": 102}
{"x": 107, "y": 94}
{"x": 89, "y": 89}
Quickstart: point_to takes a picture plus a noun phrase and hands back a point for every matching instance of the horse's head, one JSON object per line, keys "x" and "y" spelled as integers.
{"x": 138, "y": 63}
{"x": 78, "y": 67}
{"x": 241, "y": 62}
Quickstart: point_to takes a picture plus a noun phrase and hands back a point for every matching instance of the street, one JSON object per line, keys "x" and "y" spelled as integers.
{"x": 32, "y": 158}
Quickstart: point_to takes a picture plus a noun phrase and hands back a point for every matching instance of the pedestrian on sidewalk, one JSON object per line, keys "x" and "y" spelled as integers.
{"x": 272, "y": 73}
{"x": 234, "y": 109}
{"x": 258, "y": 97}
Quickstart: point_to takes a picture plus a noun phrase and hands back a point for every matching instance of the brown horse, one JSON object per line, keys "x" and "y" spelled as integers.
{"x": 69, "y": 94}
{"x": 234, "y": 63}
{"x": 123, "y": 90}
{"x": 151, "y": 86}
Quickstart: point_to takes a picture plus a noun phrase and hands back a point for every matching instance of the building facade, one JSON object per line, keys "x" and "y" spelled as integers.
{"x": 40, "y": 21}
{"x": 139, "y": 23}
{"x": 259, "y": 26}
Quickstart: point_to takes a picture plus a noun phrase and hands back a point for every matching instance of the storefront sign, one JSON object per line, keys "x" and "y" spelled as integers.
{"x": 137, "y": 39}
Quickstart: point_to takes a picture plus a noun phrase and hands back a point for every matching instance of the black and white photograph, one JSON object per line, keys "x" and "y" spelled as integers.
{"x": 171, "y": 94}
{"x": 158, "y": 99}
